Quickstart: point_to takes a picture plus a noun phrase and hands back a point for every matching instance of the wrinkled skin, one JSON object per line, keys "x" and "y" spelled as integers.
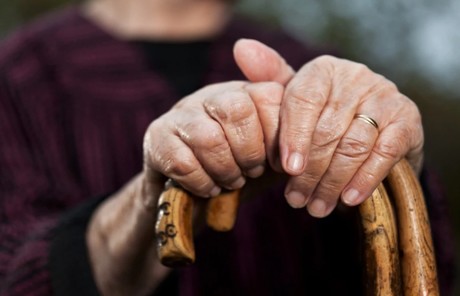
{"x": 299, "y": 124}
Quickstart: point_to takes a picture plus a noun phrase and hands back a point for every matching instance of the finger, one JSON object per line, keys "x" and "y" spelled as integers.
{"x": 206, "y": 138}
{"x": 304, "y": 99}
{"x": 258, "y": 62}
{"x": 352, "y": 84}
{"x": 394, "y": 142}
{"x": 237, "y": 115}
{"x": 166, "y": 153}
{"x": 267, "y": 97}
{"x": 353, "y": 150}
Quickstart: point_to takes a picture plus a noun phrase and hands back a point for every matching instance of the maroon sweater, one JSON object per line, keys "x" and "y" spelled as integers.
{"x": 74, "y": 105}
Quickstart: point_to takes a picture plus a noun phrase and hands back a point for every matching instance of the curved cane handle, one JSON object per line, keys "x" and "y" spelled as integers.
{"x": 418, "y": 264}
{"x": 398, "y": 228}
{"x": 173, "y": 228}
{"x": 383, "y": 276}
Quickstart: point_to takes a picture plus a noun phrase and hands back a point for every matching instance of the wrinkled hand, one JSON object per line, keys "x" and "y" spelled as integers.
{"x": 329, "y": 152}
{"x": 213, "y": 139}
{"x": 216, "y": 137}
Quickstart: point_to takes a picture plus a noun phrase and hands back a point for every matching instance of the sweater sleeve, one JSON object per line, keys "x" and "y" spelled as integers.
{"x": 71, "y": 272}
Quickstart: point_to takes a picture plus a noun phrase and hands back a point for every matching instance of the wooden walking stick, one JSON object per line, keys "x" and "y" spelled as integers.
{"x": 394, "y": 219}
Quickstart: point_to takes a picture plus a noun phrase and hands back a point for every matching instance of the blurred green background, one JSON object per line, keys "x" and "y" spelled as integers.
{"x": 413, "y": 43}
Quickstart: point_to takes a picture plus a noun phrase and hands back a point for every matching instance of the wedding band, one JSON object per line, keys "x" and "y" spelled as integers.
{"x": 367, "y": 119}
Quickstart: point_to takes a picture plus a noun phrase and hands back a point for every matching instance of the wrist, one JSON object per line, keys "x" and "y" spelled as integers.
{"x": 121, "y": 244}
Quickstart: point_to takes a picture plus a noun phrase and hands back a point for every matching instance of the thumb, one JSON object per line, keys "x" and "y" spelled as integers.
{"x": 260, "y": 63}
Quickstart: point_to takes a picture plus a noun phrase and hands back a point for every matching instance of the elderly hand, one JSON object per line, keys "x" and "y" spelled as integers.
{"x": 212, "y": 139}
{"x": 215, "y": 137}
{"x": 342, "y": 127}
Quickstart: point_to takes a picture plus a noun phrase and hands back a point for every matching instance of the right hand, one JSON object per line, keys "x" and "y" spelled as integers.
{"x": 328, "y": 154}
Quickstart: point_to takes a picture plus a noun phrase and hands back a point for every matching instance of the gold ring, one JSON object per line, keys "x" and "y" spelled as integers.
{"x": 367, "y": 119}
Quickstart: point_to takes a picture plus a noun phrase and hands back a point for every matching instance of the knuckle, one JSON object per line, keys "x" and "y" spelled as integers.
{"x": 172, "y": 164}
{"x": 365, "y": 179}
{"x": 217, "y": 149}
{"x": 333, "y": 180}
{"x": 385, "y": 90}
{"x": 362, "y": 69}
{"x": 391, "y": 149}
{"x": 325, "y": 137}
{"x": 333, "y": 64}
{"x": 204, "y": 136}
{"x": 306, "y": 182}
{"x": 330, "y": 190}
{"x": 252, "y": 158}
{"x": 356, "y": 67}
{"x": 274, "y": 87}
{"x": 325, "y": 60}
{"x": 234, "y": 106}
{"x": 189, "y": 174}
{"x": 268, "y": 93}
{"x": 306, "y": 99}
{"x": 354, "y": 148}
{"x": 403, "y": 140}
{"x": 227, "y": 176}
{"x": 201, "y": 186}
{"x": 413, "y": 109}
{"x": 390, "y": 85}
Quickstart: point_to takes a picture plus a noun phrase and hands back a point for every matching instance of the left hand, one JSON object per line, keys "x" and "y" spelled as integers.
{"x": 330, "y": 153}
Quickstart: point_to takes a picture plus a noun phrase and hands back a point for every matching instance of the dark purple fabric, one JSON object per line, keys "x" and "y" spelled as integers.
{"x": 74, "y": 106}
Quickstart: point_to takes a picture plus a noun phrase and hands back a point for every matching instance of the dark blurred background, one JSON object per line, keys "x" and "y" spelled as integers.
{"x": 412, "y": 42}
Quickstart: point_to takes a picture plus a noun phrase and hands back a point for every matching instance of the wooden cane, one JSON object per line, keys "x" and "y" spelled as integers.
{"x": 395, "y": 221}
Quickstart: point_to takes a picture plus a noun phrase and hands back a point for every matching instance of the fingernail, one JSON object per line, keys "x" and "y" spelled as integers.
{"x": 238, "y": 183}
{"x": 215, "y": 191}
{"x": 256, "y": 172}
{"x": 295, "y": 162}
{"x": 296, "y": 199}
{"x": 350, "y": 197}
{"x": 318, "y": 208}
